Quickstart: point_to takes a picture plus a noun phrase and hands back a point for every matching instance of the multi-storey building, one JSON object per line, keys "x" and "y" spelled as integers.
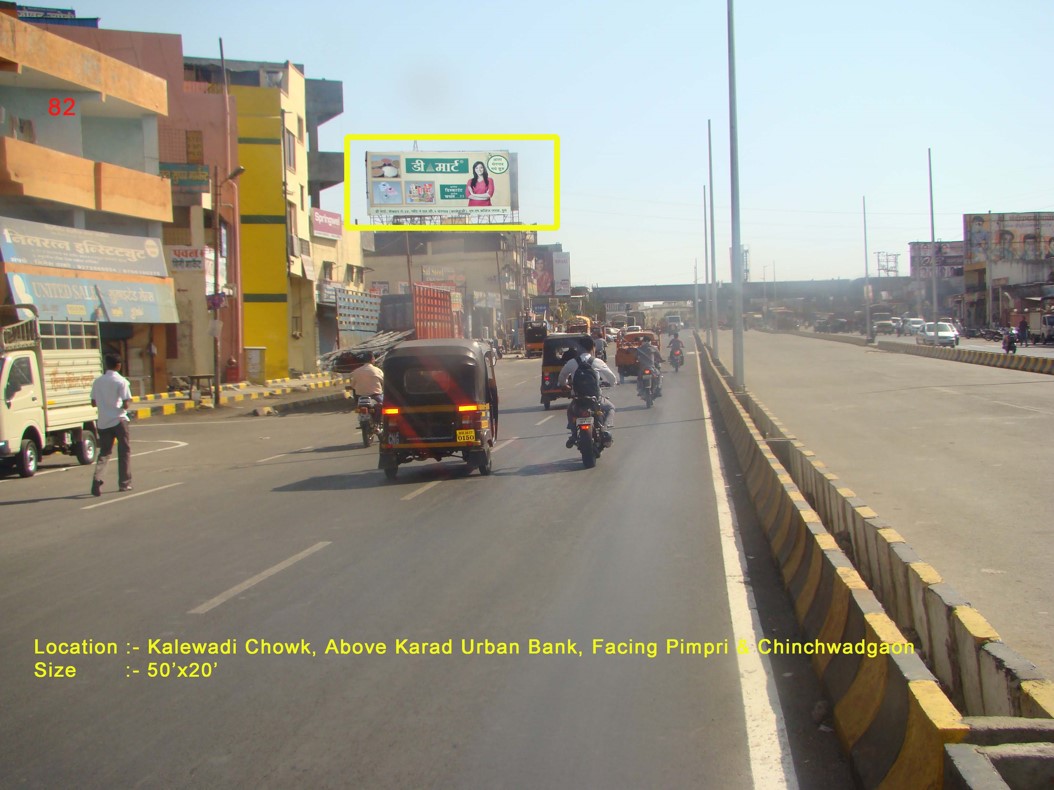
{"x": 82, "y": 203}
{"x": 279, "y": 275}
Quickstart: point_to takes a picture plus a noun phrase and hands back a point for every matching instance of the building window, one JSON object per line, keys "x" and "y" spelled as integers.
{"x": 327, "y": 270}
{"x": 299, "y": 128}
{"x": 292, "y": 244}
{"x": 290, "y": 151}
{"x": 302, "y": 206}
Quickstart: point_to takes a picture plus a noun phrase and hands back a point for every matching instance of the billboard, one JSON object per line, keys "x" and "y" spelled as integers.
{"x": 1008, "y": 238}
{"x": 455, "y": 185}
{"x": 540, "y": 269}
{"x": 326, "y": 224}
{"x": 562, "y": 273}
{"x": 947, "y": 255}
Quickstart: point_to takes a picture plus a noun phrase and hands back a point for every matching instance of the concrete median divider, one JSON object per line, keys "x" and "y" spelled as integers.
{"x": 870, "y": 610}
{"x": 1023, "y": 362}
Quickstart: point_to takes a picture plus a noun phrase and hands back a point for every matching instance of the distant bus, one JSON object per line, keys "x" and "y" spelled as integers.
{"x": 580, "y": 323}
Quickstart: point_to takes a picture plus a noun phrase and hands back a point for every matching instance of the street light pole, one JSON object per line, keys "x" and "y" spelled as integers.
{"x": 738, "y": 372}
{"x": 214, "y": 330}
{"x": 933, "y": 244}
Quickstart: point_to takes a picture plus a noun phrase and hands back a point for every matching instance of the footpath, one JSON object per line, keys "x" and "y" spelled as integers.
{"x": 280, "y": 396}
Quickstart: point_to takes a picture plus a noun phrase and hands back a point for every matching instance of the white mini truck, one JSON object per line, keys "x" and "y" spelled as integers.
{"x": 46, "y": 373}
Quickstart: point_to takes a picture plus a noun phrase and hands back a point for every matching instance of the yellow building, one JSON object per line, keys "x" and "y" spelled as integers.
{"x": 278, "y": 273}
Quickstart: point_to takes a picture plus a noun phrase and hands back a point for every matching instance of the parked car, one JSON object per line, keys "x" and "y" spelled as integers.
{"x": 937, "y": 334}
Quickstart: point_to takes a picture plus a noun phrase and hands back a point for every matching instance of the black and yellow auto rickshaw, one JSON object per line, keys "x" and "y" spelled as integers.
{"x": 440, "y": 399}
{"x": 557, "y": 350}
{"x": 534, "y": 334}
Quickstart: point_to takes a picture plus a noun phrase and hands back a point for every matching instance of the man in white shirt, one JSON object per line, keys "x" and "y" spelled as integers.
{"x": 112, "y": 396}
{"x": 603, "y": 373}
{"x": 368, "y": 379}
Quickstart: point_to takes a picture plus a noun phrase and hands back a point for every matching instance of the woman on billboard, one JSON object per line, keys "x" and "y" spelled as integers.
{"x": 480, "y": 188}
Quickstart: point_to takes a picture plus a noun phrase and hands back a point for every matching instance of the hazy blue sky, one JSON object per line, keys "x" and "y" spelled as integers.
{"x": 836, "y": 101}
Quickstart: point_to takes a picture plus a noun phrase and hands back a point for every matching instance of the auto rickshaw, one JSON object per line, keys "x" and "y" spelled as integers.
{"x": 440, "y": 399}
{"x": 626, "y": 354}
{"x": 557, "y": 350}
{"x": 534, "y": 334}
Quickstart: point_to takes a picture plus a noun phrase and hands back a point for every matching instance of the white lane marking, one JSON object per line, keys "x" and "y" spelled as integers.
{"x": 1019, "y": 406}
{"x": 245, "y": 585}
{"x": 421, "y": 490}
{"x": 162, "y": 449}
{"x": 280, "y": 455}
{"x": 176, "y": 446}
{"x": 771, "y": 763}
{"x": 433, "y": 484}
{"x": 546, "y": 419}
{"x": 129, "y": 496}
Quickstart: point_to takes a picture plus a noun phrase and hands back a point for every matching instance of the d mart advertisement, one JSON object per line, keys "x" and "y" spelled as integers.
{"x": 438, "y": 183}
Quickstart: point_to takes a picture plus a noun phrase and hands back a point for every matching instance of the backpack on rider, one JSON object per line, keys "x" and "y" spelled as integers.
{"x": 585, "y": 383}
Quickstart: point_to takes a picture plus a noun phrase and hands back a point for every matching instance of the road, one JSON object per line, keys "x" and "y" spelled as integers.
{"x": 955, "y": 456}
{"x": 277, "y": 542}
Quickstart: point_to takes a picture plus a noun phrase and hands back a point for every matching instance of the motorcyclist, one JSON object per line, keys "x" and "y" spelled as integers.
{"x": 648, "y": 356}
{"x": 567, "y": 373}
{"x": 600, "y": 346}
{"x": 368, "y": 379}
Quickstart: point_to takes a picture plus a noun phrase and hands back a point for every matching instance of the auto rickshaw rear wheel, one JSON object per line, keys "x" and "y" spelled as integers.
{"x": 546, "y": 402}
{"x": 485, "y": 466}
{"x": 391, "y": 471}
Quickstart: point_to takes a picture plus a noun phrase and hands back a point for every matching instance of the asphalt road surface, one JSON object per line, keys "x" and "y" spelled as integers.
{"x": 956, "y": 457}
{"x": 277, "y": 543}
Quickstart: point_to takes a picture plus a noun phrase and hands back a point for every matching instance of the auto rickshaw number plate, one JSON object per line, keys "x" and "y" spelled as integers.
{"x": 466, "y": 436}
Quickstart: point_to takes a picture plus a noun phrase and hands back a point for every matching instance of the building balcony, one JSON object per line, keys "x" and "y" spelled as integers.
{"x": 325, "y": 169}
{"x": 33, "y": 171}
{"x": 325, "y": 100}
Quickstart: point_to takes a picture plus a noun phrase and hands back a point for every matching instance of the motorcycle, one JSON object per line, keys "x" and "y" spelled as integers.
{"x": 369, "y": 420}
{"x": 676, "y": 359}
{"x": 992, "y": 334}
{"x": 588, "y": 419}
{"x": 648, "y": 385}
{"x": 1010, "y": 342}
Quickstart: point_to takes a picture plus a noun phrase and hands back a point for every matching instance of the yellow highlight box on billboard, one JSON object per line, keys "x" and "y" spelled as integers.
{"x": 480, "y": 227}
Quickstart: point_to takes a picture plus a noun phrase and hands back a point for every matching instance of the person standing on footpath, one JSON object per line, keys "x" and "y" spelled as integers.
{"x": 1022, "y": 332}
{"x": 111, "y": 394}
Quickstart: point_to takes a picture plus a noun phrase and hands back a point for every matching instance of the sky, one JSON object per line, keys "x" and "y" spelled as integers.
{"x": 836, "y": 104}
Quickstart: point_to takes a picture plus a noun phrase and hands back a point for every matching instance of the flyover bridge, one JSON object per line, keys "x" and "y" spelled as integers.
{"x": 825, "y": 294}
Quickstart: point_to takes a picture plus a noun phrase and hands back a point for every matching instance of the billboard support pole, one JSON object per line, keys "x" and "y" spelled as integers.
{"x": 409, "y": 263}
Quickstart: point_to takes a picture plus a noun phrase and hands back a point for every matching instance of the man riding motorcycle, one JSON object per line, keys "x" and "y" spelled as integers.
{"x": 676, "y": 344}
{"x": 368, "y": 379}
{"x": 648, "y": 356}
{"x": 567, "y": 373}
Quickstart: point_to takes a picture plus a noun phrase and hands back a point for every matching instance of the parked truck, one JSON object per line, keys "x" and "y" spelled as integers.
{"x": 427, "y": 311}
{"x": 46, "y": 373}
